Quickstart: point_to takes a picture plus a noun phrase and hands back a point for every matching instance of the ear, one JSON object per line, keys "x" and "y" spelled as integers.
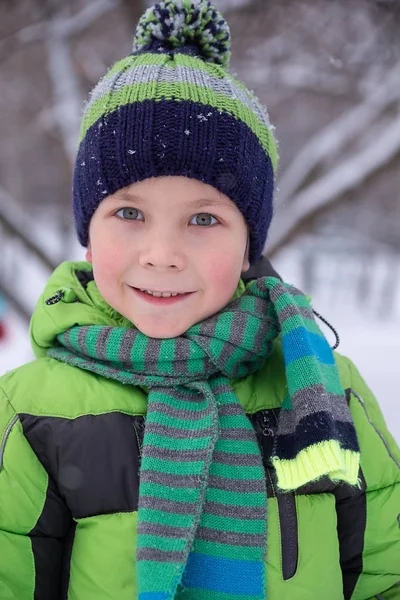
{"x": 246, "y": 263}
{"x": 88, "y": 254}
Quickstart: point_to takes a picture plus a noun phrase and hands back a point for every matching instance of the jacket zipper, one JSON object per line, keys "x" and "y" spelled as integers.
{"x": 361, "y": 401}
{"x": 286, "y": 502}
{"x": 5, "y": 437}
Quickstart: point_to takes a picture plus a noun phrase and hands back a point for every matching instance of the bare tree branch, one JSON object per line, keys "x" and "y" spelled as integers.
{"x": 331, "y": 186}
{"x": 64, "y": 27}
{"x": 15, "y": 220}
{"x": 330, "y": 140}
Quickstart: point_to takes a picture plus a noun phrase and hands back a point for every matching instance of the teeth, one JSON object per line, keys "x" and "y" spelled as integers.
{"x": 160, "y": 294}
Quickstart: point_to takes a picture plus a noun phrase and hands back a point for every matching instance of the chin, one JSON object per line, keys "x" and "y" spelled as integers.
{"x": 162, "y": 333}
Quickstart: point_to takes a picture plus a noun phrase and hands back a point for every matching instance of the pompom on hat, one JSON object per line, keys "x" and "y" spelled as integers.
{"x": 172, "y": 108}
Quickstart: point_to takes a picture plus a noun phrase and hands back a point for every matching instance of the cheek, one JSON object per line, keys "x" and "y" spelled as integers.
{"x": 107, "y": 260}
{"x": 223, "y": 274}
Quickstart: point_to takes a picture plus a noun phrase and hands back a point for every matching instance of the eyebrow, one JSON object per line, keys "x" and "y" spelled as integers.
{"x": 198, "y": 203}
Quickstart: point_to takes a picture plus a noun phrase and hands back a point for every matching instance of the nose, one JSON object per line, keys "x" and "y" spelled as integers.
{"x": 162, "y": 250}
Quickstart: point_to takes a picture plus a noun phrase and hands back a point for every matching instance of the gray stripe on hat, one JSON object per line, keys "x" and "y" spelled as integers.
{"x": 231, "y": 537}
{"x": 142, "y": 74}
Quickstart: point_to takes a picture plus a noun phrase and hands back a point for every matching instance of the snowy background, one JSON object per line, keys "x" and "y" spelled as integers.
{"x": 330, "y": 77}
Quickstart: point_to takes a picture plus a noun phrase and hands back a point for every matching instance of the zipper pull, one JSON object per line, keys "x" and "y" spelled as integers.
{"x": 65, "y": 294}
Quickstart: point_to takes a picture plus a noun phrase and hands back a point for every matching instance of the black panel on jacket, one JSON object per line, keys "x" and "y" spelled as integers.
{"x": 48, "y": 539}
{"x": 48, "y": 555}
{"x": 92, "y": 458}
{"x": 351, "y": 510}
{"x": 66, "y": 563}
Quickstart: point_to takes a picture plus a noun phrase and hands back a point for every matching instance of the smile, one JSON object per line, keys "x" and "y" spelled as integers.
{"x": 157, "y": 299}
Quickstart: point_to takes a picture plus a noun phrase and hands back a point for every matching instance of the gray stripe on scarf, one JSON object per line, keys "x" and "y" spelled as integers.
{"x": 233, "y": 459}
{"x": 168, "y": 531}
{"x": 150, "y": 357}
{"x": 169, "y": 480}
{"x": 177, "y": 433}
{"x": 233, "y": 511}
{"x": 176, "y": 455}
{"x": 181, "y": 393}
{"x": 182, "y": 350}
{"x": 179, "y": 413}
{"x": 234, "y": 342}
{"x": 101, "y": 342}
{"x": 305, "y": 404}
{"x": 223, "y": 458}
{"x": 194, "y": 481}
{"x": 291, "y": 311}
{"x": 237, "y": 434}
{"x": 166, "y": 505}
{"x": 82, "y": 333}
{"x": 230, "y": 537}
{"x": 160, "y": 555}
{"x": 124, "y": 353}
{"x": 236, "y": 485}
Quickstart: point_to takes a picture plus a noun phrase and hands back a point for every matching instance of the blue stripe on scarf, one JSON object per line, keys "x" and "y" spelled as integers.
{"x": 300, "y": 343}
{"x": 219, "y": 574}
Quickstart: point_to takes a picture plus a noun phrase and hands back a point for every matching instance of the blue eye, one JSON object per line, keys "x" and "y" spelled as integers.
{"x": 204, "y": 219}
{"x": 129, "y": 214}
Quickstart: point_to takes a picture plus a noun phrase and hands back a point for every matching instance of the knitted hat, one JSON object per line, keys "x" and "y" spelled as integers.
{"x": 172, "y": 108}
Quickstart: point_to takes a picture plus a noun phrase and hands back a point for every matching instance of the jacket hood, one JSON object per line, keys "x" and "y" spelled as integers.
{"x": 81, "y": 304}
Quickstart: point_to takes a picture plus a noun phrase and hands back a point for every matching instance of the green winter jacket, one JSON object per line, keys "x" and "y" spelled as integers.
{"x": 70, "y": 445}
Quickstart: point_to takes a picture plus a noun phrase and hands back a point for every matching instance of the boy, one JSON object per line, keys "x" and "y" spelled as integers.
{"x": 185, "y": 433}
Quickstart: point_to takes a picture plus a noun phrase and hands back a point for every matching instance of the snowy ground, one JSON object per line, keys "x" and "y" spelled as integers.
{"x": 373, "y": 345}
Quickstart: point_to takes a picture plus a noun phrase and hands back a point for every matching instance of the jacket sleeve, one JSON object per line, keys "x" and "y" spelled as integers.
{"x": 31, "y": 531}
{"x": 380, "y": 465}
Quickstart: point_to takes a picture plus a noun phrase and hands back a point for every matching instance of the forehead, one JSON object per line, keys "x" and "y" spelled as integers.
{"x": 177, "y": 190}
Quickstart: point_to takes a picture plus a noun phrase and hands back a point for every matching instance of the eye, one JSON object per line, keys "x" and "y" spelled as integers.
{"x": 129, "y": 214}
{"x": 203, "y": 219}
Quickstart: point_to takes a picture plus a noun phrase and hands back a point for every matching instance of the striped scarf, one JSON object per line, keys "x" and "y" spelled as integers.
{"x": 202, "y": 521}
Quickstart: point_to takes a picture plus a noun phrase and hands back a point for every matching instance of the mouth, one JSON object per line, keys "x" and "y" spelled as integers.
{"x": 159, "y": 300}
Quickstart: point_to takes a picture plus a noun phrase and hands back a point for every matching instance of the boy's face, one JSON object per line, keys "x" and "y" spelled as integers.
{"x": 167, "y": 234}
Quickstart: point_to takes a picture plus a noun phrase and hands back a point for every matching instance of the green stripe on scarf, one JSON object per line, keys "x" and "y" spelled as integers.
{"x": 202, "y": 477}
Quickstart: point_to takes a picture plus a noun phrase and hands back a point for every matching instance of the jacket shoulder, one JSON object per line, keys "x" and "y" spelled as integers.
{"x": 48, "y": 387}
{"x": 380, "y": 454}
